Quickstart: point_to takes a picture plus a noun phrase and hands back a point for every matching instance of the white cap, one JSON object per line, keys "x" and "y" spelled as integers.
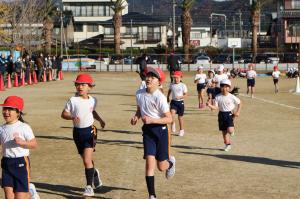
{"x": 226, "y": 81}
{"x": 200, "y": 68}
{"x": 221, "y": 67}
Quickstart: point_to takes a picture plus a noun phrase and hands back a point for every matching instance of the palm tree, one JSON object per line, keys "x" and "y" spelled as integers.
{"x": 48, "y": 12}
{"x": 255, "y": 16}
{"x": 117, "y": 6}
{"x": 186, "y": 23}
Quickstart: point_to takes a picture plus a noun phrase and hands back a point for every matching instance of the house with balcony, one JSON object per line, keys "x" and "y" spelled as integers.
{"x": 88, "y": 16}
{"x": 290, "y": 18}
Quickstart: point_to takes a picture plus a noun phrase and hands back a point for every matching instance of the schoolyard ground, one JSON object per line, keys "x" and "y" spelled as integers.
{"x": 263, "y": 163}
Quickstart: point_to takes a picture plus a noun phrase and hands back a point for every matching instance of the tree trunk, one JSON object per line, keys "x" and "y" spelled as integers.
{"x": 186, "y": 29}
{"x": 48, "y": 35}
{"x": 117, "y": 32}
{"x": 255, "y": 23}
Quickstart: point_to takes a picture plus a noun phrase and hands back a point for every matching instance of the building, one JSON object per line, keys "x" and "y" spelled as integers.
{"x": 88, "y": 16}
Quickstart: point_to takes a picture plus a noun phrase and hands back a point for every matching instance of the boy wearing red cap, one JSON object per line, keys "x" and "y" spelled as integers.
{"x": 16, "y": 138}
{"x": 179, "y": 92}
{"x": 81, "y": 109}
{"x": 226, "y": 103}
{"x": 276, "y": 75}
{"x": 153, "y": 109}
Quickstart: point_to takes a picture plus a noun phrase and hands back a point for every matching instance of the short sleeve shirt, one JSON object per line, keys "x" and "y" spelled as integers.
{"x": 226, "y": 103}
{"x": 7, "y": 134}
{"x": 276, "y": 74}
{"x": 83, "y": 109}
{"x": 201, "y": 78}
{"x": 251, "y": 74}
{"x": 178, "y": 90}
{"x": 153, "y": 105}
{"x": 218, "y": 78}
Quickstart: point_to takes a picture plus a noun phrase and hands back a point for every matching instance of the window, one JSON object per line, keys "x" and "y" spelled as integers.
{"x": 153, "y": 33}
{"x": 95, "y": 10}
{"x": 195, "y": 35}
{"x": 83, "y": 11}
{"x": 109, "y": 31}
{"x": 78, "y": 28}
{"x": 101, "y": 11}
{"x": 77, "y": 11}
{"x": 93, "y": 28}
{"x": 89, "y": 11}
{"x": 296, "y": 4}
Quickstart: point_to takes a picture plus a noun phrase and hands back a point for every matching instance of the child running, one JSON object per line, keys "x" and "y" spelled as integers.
{"x": 81, "y": 109}
{"x": 211, "y": 87}
{"x": 200, "y": 79}
{"x": 153, "y": 109}
{"x": 226, "y": 103}
{"x": 179, "y": 92}
{"x": 250, "y": 75}
{"x": 276, "y": 75}
{"x": 16, "y": 139}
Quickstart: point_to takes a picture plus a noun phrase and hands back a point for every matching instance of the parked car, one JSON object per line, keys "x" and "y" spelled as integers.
{"x": 222, "y": 59}
{"x": 116, "y": 59}
{"x": 202, "y": 60}
{"x": 247, "y": 57}
{"x": 237, "y": 59}
{"x": 290, "y": 58}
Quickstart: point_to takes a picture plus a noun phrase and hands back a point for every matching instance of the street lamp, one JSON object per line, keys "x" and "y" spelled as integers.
{"x": 211, "y": 17}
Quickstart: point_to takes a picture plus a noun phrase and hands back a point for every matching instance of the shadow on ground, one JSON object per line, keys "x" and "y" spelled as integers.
{"x": 252, "y": 159}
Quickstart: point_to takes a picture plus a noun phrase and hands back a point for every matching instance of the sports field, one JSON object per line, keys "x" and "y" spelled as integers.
{"x": 263, "y": 163}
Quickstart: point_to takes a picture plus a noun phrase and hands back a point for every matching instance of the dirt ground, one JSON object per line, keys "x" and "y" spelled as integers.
{"x": 264, "y": 162}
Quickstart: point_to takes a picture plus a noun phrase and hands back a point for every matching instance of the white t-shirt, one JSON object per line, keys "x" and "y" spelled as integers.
{"x": 218, "y": 78}
{"x": 7, "y": 133}
{"x": 153, "y": 105}
{"x": 178, "y": 90}
{"x": 276, "y": 74}
{"x": 200, "y": 78}
{"x": 143, "y": 85}
{"x": 226, "y": 103}
{"x": 250, "y": 74}
{"x": 82, "y": 108}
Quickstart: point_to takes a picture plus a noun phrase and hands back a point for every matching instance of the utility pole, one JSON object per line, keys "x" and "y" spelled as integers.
{"x": 174, "y": 28}
{"x": 131, "y": 60}
{"x": 233, "y": 26}
{"x": 240, "y": 16}
{"x": 61, "y": 33}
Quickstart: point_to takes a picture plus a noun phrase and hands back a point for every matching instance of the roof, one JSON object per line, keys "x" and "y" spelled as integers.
{"x": 138, "y": 18}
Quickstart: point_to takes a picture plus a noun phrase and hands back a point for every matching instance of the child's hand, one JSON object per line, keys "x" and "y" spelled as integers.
{"x": 76, "y": 120}
{"x": 147, "y": 120}
{"x": 134, "y": 120}
{"x": 102, "y": 124}
{"x": 18, "y": 140}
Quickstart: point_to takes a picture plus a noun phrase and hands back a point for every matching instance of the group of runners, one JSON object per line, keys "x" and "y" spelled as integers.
{"x": 153, "y": 109}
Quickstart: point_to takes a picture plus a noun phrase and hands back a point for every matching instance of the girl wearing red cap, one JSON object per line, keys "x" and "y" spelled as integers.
{"x": 153, "y": 109}
{"x": 276, "y": 75}
{"x": 16, "y": 138}
{"x": 81, "y": 109}
{"x": 179, "y": 92}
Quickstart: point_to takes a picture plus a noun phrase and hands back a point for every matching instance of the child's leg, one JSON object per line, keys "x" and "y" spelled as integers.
{"x": 9, "y": 193}
{"x": 201, "y": 96}
{"x": 180, "y": 119}
{"x": 252, "y": 91}
{"x": 149, "y": 174}
{"x": 248, "y": 88}
{"x": 22, "y": 195}
{"x": 226, "y": 137}
{"x": 87, "y": 158}
{"x": 173, "y": 126}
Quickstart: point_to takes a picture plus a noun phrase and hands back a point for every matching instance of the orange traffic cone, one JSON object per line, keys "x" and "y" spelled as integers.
{"x": 2, "y": 87}
{"x": 50, "y": 75}
{"x": 8, "y": 81}
{"x": 61, "y": 76}
{"x": 22, "y": 79}
{"x": 16, "y": 82}
{"x": 29, "y": 79}
{"x": 44, "y": 77}
{"x": 35, "y": 81}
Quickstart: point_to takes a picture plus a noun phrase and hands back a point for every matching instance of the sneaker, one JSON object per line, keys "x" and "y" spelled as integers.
{"x": 227, "y": 147}
{"x": 173, "y": 127}
{"x": 88, "y": 191}
{"x": 152, "y": 197}
{"x": 33, "y": 192}
{"x": 171, "y": 171}
{"x": 181, "y": 133}
{"x": 97, "y": 181}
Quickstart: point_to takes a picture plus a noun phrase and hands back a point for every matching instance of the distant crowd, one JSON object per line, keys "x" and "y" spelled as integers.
{"x": 27, "y": 65}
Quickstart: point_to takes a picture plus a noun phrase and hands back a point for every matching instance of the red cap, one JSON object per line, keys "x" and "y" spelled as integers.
{"x": 84, "y": 79}
{"x": 275, "y": 68}
{"x": 177, "y": 74}
{"x": 14, "y": 102}
{"x": 157, "y": 72}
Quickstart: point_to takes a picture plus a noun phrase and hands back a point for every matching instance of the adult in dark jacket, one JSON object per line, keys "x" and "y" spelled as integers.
{"x": 59, "y": 61}
{"x": 10, "y": 65}
{"x": 3, "y": 65}
{"x": 173, "y": 65}
{"x": 40, "y": 62}
{"x": 142, "y": 61}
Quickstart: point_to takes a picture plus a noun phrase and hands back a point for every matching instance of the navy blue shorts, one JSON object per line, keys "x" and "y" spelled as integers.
{"x": 156, "y": 141}
{"x": 225, "y": 120}
{"x": 85, "y": 138}
{"x": 275, "y": 81}
{"x": 250, "y": 82}
{"x": 200, "y": 87}
{"x": 211, "y": 91}
{"x": 15, "y": 173}
{"x": 178, "y": 106}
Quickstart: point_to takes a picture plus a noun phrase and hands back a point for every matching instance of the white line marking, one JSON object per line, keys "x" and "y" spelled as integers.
{"x": 271, "y": 102}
